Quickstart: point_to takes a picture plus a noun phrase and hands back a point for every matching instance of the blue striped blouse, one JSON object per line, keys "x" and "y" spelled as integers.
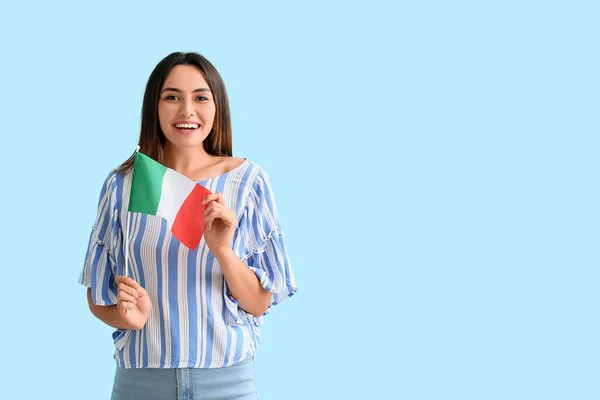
{"x": 195, "y": 321}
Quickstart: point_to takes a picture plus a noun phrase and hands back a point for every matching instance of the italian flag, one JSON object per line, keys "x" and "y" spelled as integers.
{"x": 164, "y": 192}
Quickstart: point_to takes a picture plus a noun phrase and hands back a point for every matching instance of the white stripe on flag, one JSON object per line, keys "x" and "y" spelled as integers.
{"x": 175, "y": 189}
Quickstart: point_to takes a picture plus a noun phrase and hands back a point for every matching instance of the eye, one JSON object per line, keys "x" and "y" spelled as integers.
{"x": 202, "y": 98}
{"x": 170, "y": 97}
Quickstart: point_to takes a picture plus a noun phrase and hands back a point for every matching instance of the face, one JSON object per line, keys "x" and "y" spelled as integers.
{"x": 186, "y": 108}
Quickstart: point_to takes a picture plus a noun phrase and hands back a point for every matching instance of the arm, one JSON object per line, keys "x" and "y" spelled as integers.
{"x": 132, "y": 309}
{"x": 243, "y": 283}
{"x": 267, "y": 278}
{"x": 107, "y": 314}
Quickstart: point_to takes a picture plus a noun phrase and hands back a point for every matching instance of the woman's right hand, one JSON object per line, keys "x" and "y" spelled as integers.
{"x": 133, "y": 303}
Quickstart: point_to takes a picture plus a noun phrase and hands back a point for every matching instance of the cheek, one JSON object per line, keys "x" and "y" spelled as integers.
{"x": 212, "y": 112}
{"x": 208, "y": 115}
{"x": 163, "y": 116}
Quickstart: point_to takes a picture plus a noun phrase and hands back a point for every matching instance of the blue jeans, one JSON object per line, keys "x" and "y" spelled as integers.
{"x": 235, "y": 382}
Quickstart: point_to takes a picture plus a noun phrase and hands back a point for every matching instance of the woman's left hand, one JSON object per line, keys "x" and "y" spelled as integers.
{"x": 220, "y": 223}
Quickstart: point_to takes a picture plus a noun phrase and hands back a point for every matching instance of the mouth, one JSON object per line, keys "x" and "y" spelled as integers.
{"x": 186, "y": 128}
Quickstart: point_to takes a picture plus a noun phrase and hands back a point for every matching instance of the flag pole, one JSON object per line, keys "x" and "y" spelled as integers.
{"x": 137, "y": 149}
{"x": 126, "y": 243}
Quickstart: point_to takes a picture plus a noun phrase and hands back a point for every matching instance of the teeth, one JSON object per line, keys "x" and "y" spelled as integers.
{"x": 189, "y": 126}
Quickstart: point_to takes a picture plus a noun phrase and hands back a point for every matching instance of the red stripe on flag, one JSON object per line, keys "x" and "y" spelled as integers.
{"x": 188, "y": 226}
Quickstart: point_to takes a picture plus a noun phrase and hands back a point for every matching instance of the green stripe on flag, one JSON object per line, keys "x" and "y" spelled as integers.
{"x": 146, "y": 184}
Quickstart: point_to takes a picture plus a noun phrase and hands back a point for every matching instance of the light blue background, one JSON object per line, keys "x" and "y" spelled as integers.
{"x": 435, "y": 165}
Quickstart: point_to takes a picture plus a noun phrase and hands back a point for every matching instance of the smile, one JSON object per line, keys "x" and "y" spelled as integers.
{"x": 187, "y": 128}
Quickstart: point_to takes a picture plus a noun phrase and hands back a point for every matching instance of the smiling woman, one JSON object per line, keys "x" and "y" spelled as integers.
{"x": 184, "y": 88}
{"x": 186, "y": 108}
{"x": 187, "y": 320}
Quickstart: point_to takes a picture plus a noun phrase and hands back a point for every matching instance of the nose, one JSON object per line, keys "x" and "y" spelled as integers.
{"x": 186, "y": 109}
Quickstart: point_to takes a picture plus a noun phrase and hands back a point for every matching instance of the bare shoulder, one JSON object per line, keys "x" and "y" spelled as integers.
{"x": 234, "y": 162}
{"x": 228, "y": 164}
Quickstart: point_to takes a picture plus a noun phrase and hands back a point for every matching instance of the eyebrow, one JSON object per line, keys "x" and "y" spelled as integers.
{"x": 170, "y": 89}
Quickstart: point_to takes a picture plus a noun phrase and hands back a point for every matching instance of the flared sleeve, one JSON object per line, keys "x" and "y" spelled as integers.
{"x": 265, "y": 251}
{"x": 100, "y": 264}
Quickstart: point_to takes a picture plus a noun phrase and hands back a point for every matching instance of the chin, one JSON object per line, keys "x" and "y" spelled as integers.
{"x": 186, "y": 142}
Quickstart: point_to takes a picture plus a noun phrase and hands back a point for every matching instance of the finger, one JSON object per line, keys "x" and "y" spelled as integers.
{"x": 214, "y": 213}
{"x": 127, "y": 289}
{"x": 208, "y": 223}
{"x": 126, "y": 280}
{"x": 209, "y": 197}
{"x": 225, "y": 217}
{"x": 122, "y": 296}
{"x": 126, "y": 306}
{"x": 141, "y": 292}
{"x": 211, "y": 207}
{"x": 218, "y": 197}
{"x": 217, "y": 214}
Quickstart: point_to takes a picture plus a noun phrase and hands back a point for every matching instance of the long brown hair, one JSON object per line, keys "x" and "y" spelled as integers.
{"x": 152, "y": 139}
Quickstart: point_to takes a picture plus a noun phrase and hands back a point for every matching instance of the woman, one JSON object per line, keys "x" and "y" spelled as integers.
{"x": 187, "y": 321}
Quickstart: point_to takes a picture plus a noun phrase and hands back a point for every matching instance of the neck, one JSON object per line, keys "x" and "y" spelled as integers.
{"x": 188, "y": 159}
